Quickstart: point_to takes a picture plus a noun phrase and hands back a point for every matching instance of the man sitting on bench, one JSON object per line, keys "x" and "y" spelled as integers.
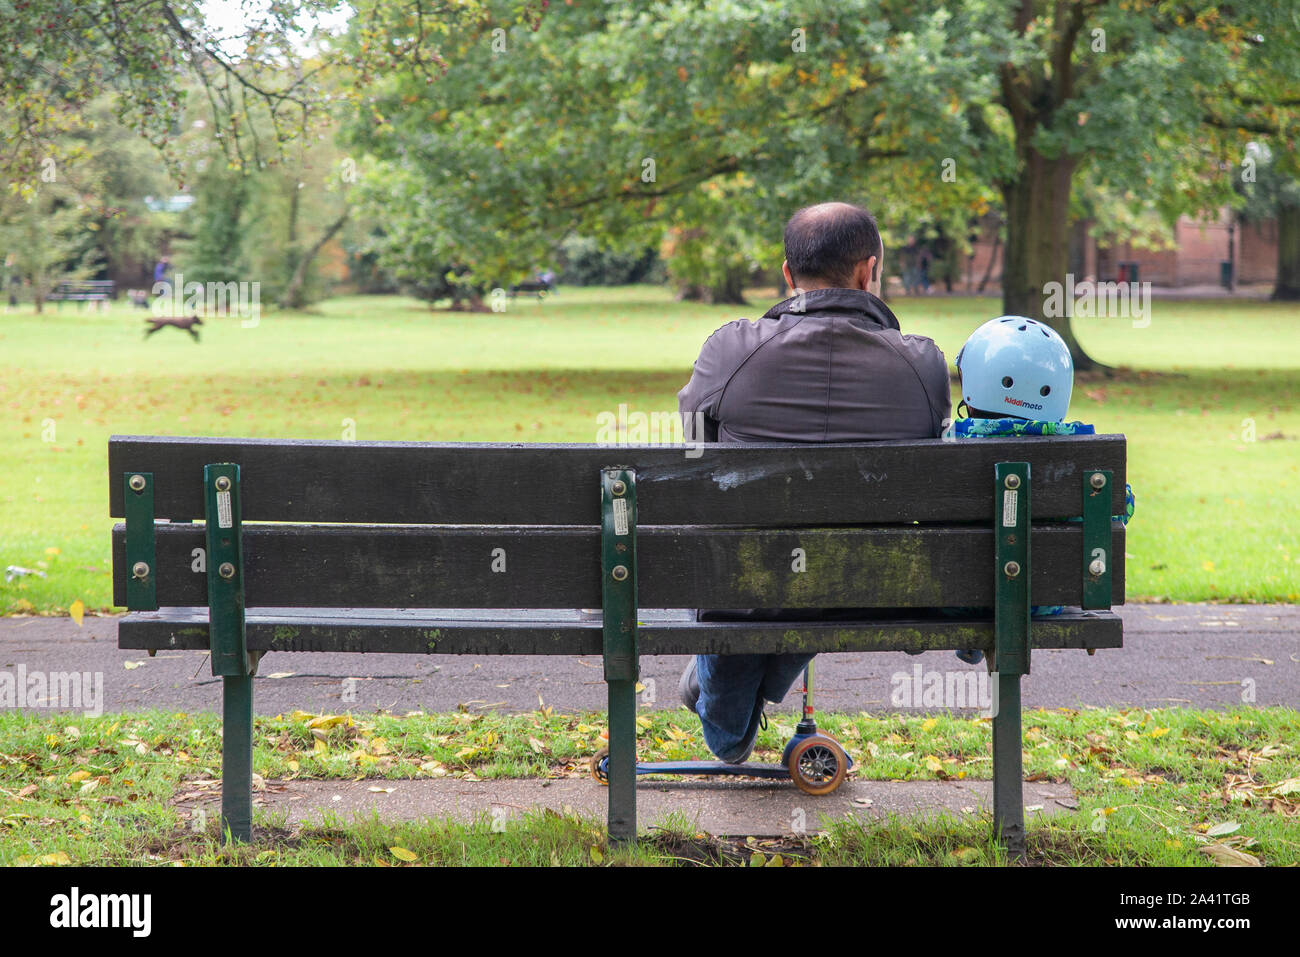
{"x": 828, "y": 364}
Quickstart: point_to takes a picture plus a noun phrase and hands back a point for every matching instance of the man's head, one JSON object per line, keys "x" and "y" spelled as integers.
{"x": 833, "y": 245}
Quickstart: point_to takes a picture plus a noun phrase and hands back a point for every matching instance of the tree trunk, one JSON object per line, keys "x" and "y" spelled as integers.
{"x": 1288, "y": 252}
{"x": 292, "y": 258}
{"x": 293, "y": 298}
{"x": 731, "y": 289}
{"x": 467, "y": 300}
{"x": 1038, "y": 243}
{"x": 993, "y": 259}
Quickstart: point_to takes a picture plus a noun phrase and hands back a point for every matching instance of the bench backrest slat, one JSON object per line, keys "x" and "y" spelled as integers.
{"x": 492, "y": 484}
{"x": 299, "y": 566}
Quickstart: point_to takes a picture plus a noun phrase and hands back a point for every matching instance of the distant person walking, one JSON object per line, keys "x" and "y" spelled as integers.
{"x": 12, "y": 282}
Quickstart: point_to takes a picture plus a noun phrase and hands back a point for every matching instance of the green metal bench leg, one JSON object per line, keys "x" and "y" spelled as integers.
{"x": 622, "y": 762}
{"x": 1011, "y": 525}
{"x": 618, "y": 592}
{"x": 1008, "y": 771}
{"x": 237, "y": 757}
{"x": 229, "y": 647}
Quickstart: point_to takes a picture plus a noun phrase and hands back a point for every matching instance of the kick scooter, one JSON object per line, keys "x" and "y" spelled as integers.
{"x": 814, "y": 761}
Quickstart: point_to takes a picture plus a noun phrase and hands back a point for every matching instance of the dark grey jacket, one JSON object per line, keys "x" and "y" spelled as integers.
{"x": 838, "y": 371}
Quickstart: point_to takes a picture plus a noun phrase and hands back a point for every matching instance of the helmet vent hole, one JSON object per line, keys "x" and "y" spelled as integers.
{"x": 1045, "y": 390}
{"x": 1023, "y": 328}
{"x": 1047, "y": 334}
{"x": 1007, "y": 382}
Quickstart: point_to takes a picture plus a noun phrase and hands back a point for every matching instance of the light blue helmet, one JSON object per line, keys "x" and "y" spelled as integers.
{"x": 1013, "y": 366}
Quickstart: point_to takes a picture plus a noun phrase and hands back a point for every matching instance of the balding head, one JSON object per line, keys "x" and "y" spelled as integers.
{"x": 826, "y": 245}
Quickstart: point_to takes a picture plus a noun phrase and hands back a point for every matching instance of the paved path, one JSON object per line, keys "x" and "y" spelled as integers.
{"x": 1194, "y": 655}
{"x": 733, "y": 807}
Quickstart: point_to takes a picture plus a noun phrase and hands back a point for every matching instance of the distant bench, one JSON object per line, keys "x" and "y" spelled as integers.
{"x": 426, "y": 548}
{"x": 539, "y": 287}
{"x": 81, "y": 290}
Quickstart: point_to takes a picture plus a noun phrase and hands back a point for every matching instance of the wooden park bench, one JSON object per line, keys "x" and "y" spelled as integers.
{"x": 249, "y": 546}
{"x": 81, "y": 290}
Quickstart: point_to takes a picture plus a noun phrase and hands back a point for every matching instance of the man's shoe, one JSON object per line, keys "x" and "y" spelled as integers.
{"x": 688, "y": 688}
{"x": 751, "y": 736}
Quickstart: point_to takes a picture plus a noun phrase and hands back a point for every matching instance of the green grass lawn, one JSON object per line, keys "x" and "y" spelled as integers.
{"x": 1168, "y": 787}
{"x": 1207, "y": 386}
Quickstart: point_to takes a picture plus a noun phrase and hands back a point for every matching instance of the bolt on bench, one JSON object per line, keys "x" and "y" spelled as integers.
{"x": 249, "y": 546}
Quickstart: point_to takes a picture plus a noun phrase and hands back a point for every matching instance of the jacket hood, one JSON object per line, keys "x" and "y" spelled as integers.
{"x": 850, "y": 303}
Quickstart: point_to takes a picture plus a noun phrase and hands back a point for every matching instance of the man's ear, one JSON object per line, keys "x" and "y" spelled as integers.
{"x": 789, "y": 279}
{"x": 864, "y": 274}
{"x": 877, "y": 275}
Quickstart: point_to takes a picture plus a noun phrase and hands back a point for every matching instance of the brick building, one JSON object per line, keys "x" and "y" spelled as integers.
{"x": 1200, "y": 250}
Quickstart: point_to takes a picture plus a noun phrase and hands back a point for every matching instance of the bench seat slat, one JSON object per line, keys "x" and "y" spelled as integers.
{"x": 480, "y": 483}
{"x": 557, "y": 567}
{"x": 664, "y": 632}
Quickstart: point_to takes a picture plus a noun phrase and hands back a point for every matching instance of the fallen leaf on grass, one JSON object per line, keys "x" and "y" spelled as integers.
{"x": 402, "y": 854}
{"x": 1226, "y": 856}
{"x": 58, "y": 859}
{"x": 1289, "y": 786}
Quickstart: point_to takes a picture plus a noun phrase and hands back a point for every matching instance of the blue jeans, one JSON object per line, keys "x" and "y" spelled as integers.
{"x": 732, "y": 691}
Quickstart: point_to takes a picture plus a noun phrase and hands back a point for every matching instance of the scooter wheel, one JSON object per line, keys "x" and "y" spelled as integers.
{"x": 597, "y": 771}
{"x": 817, "y": 764}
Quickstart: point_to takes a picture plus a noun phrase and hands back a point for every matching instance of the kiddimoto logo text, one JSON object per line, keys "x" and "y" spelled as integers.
{"x": 1021, "y": 402}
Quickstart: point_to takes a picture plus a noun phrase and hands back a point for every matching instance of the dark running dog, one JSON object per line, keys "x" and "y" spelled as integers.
{"x": 187, "y": 323}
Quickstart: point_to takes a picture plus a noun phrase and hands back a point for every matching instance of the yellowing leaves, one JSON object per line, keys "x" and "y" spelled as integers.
{"x": 325, "y": 721}
{"x": 402, "y": 854}
{"x": 77, "y": 609}
{"x": 57, "y": 859}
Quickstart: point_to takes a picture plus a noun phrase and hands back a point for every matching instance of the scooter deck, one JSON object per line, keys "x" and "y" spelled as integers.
{"x": 713, "y": 767}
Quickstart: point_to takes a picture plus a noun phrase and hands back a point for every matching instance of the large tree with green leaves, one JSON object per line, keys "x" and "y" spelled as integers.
{"x": 622, "y": 118}
{"x": 704, "y": 124}
{"x": 1155, "y": 98}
